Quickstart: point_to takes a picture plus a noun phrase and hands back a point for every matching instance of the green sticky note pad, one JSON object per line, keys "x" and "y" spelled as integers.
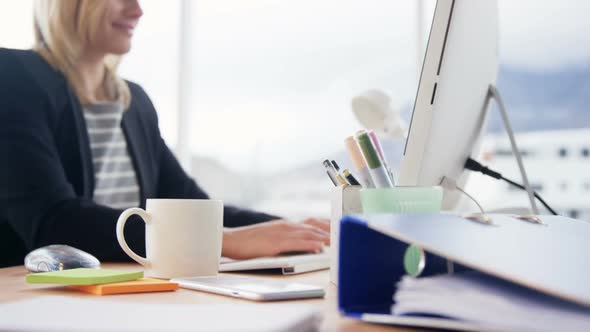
{"x": 83, "y": 277}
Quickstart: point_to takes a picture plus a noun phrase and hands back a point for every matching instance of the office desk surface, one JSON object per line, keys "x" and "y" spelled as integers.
{"x": 13, "y": 287}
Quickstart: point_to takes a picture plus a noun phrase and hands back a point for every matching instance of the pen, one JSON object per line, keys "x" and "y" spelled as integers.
{"x": 376, "y": 168}
{"x": 339, "y": 176}
{"x": 350, "y": 178}
{"x": 359, "y": 163}
{"x": 332, "y": 173}
{"x": 377, "y": 144}
{"x": 335, "y": 164}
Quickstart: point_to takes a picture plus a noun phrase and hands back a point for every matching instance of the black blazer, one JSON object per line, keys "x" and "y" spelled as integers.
{"x": 46, "y": 170}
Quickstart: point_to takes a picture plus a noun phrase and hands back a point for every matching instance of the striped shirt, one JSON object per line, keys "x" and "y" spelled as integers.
{"x": 115, "y": 179}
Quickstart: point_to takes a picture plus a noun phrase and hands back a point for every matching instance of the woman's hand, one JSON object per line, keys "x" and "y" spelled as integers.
{"x": 275, "y": 237}
{"x": 321, "y": 223}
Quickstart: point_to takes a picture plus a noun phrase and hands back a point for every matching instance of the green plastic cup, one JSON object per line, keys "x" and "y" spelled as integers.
{"x": 402, "y": 200}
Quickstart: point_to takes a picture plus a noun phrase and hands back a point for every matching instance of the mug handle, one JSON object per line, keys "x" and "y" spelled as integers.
{"x": 121, "y": 236}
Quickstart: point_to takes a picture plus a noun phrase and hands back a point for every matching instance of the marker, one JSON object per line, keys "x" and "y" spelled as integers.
{"x": 342, "y": 180}
{"x": 346, "y": 176}
{"x": 376, "y": 168}
{"x": 377, "y": 145}
{"x": 359, "y": 163}
{"x": 351, "y": 179}
{"x": 339, "y": 176}
{"x": 334, "y": 176}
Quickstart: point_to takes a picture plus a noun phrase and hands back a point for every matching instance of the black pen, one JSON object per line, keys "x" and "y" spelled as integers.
{"x": 350, "y": 178}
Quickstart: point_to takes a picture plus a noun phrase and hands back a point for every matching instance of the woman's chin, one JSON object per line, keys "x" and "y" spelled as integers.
{"x": 120, "y": 48}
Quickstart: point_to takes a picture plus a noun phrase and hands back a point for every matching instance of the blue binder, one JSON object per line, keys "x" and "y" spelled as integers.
{"x": 552, "y": 259}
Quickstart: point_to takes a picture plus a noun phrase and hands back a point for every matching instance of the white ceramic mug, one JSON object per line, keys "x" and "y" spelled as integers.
{"x": 182, "y": 237}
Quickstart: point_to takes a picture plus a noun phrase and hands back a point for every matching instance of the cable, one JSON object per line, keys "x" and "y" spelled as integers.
{"x": 518, "y": 185}
{"x": 475, "y": 166}
{"x": 450, "y": 184}
{"x": 473, "y": 199}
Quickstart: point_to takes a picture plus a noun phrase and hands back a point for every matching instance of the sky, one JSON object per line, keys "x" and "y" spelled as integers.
{"x": 273, "y": 79}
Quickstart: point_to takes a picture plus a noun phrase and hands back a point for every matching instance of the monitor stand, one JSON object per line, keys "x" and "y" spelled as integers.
{"x": 493, "y": 93}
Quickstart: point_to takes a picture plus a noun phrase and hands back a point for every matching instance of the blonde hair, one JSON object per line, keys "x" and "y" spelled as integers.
{"x": 62, "y": 29}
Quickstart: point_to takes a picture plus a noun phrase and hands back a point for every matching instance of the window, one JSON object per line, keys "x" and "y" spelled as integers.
{"x": 562, "y": 152}
{"x": 16, "y": 24}
{"x": 273, "y": 86}
{"x": 155, "y": 45}
{"x": 508, "y": 153}
{"x": 503, "y": 152}
{"x": 537, "y": 187}
{"x": 273, "y": 80}
{"x": 542, "y": 87}
{"x": 563, "y": 186}
{"x": 153, "y": 62}
{"x": 257, "y": 60}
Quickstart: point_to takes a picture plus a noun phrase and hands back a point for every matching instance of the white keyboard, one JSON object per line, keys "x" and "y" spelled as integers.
{"x": 289, "y": 264}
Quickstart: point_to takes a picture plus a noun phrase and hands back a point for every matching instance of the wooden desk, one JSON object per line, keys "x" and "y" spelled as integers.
{"x": 13, "y": 287}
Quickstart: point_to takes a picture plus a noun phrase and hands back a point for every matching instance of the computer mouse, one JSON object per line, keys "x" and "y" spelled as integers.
{"x": 58, "y": 257}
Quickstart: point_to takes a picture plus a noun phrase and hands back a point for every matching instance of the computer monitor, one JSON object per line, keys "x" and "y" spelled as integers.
{"x": 460, "y": 64}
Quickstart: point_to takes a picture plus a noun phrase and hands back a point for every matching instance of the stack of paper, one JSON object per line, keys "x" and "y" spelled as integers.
{"x": 488, "y": 302}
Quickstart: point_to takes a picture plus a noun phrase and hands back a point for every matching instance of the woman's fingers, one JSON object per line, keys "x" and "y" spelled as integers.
{"x": 323, "y": 224}
{"x": 318, "y": 230}
{"x": 314, "y": 228}
{"x": 292, "y": 245}
{"x": 308, "y": 232}
{"x": 305, "y": 238}
{"x": 310, "y": 235}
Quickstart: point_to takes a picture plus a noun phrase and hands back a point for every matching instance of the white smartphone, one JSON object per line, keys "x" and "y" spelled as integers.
{"x": 251, "y": 288}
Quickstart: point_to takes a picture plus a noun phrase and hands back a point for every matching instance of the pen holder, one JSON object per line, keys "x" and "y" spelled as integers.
{"x": 402, "y": 200}
{"x": 345, "y": 200}
{"x": 356, "y": 200}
